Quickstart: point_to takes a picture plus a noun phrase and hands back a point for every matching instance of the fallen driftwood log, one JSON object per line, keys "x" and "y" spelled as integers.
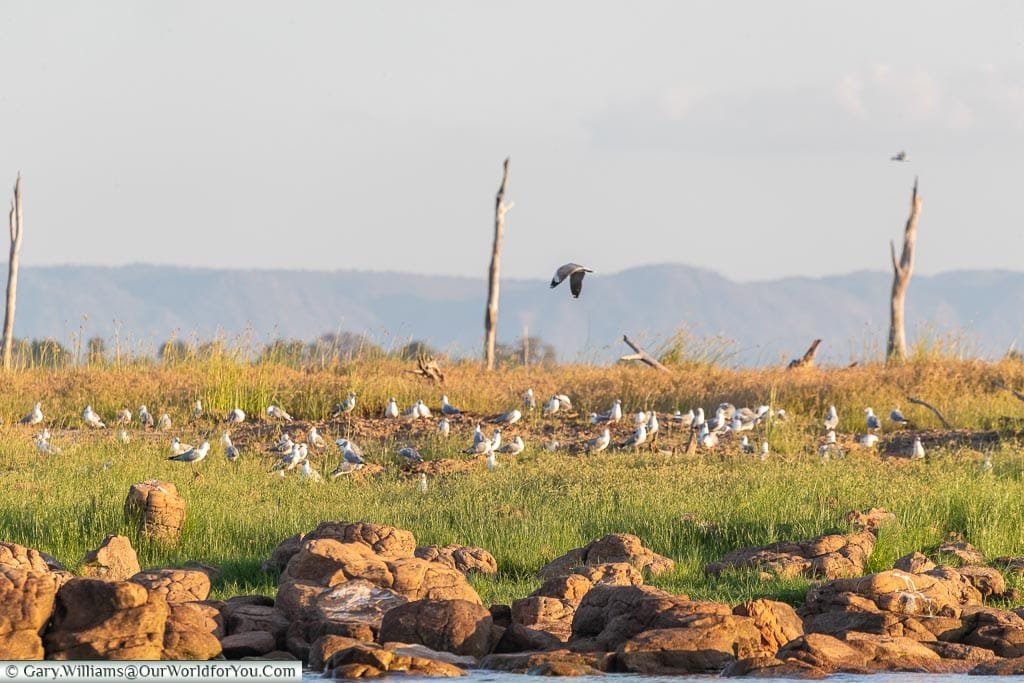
{"x": 642, "y": 355}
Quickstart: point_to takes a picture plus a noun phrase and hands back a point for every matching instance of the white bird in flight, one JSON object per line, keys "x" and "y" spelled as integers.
{"x": 575, "y": 273}
{"x": 91, "y": 419}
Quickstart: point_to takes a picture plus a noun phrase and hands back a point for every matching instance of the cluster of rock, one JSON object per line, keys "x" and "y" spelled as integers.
{"x": 356, "y": 600}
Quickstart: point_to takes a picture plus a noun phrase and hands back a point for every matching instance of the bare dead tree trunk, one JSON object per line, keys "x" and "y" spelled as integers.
{"x": 896, "y": 349}
{"x": 641, "y": 355}
{"x": 16, "y": 222}
{"x": 491, "y": 315}
{"x": 807, "y": 360}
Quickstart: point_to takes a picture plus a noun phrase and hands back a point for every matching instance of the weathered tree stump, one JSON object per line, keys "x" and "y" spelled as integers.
{"x": 157, "y": 509}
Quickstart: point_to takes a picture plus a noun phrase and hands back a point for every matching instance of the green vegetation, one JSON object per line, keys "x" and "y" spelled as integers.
{"x": 535, "y": 507}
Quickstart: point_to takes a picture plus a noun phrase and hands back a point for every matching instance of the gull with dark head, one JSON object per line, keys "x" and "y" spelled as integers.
{"x": 575, "y": 273}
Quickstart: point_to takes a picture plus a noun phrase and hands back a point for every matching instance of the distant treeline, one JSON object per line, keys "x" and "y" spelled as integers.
{"x": 328, "y": 350}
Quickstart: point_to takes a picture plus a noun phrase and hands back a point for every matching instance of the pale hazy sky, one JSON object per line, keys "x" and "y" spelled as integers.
{"x": 751, "y": 138}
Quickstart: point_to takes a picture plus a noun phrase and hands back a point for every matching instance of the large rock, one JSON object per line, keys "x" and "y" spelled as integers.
{"x": 777, "y": 622}
{"x": 829, "y": 557}
{"x": 939, "y": 592}
{"x": 371, "y": 661}
{"x": 382, "y": 539}
{"x": 871, "y": 519}
{"x": 1000, "y": 667}
{"x": 612, "y": 548}
{"x": 703, "y": 644}
{"x": 175, "y": 585}
{"x": 156, "y": 509}
{"x": 989, "y": 582}
{"x": 113, "y": 560}
{"x": 610, "y": 615}
{"x": 963, "y": 551}
{"x": 467, "y": 559}
{"x": 324, "y": 647}
{"x": 242, "y": 617}
{"x": 552, "y": 606}
{"x": 29, "y": 559}
{"x": 456, "y": 626}
{"x": 96, "y": 619}
{"x": 562, "y": 662}
{"x": 889, "y": 653}
{"x": 193, "y": 631}
{"x": 26, "y": 603}
{"x": 770, "y": 667}
{"x": 1000, "y": 631}
{"x": 248, "y": 644}
{"x": 914, "y": 563}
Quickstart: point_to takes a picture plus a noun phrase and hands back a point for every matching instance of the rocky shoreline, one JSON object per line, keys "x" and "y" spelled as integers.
{"x": 357, "y": 599}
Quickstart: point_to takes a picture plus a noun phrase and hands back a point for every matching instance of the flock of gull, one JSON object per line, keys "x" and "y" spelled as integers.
{"x": 290, "y": 455}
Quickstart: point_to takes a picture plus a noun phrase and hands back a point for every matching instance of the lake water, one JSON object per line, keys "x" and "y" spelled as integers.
{"x": 477, "y": 676}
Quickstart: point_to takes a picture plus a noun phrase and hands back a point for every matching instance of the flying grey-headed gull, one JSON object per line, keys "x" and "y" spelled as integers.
{"x": 832, "y": 419}
{"x": 872, "y": 420}
{"x": 529, "y": 402}
{"x": 899, "y": 156}
{"x": 444, "y": 427}
{"x": 278, "y": 413}
{"x": 236, "y": 416}
{"x": 410, "y": 455}
{"x": 91, "y": 419}
{"x": 124, "y": 417}
{"x": 230, "y": 451}
{"x": 575, "y": 273}
{"x": 513, "y": 447}
{"x": 422, "y": 485}
{"x": 917, "y": 453}
{"x": 314, "y": 438}
{"x": 35, "y": 416}
{"x": 509, "y": 418}
{"x": 447, "y": 408}
{"x": 346, "y": 406}
{"x": 164, "y": 423}
{"x": 391, "y": 411}
{"x": 600, "y": 442}
{"x": 177, "y": 447}
{"x": 145, "y": 418}
{"x": 193, "y": 455}
{"x": 897, "y": 416}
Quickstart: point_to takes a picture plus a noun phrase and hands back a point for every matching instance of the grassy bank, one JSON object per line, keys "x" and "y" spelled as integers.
{"x": 528, "y": 511}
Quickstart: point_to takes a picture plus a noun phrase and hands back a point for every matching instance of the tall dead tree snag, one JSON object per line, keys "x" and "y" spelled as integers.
{"x": 16, "y": 222}
{"x": 896, "y": 349}
{"x": 491, "y": 315}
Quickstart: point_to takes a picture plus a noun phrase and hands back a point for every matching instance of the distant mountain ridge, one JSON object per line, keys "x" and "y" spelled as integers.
{"x": 769, "y": 321}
